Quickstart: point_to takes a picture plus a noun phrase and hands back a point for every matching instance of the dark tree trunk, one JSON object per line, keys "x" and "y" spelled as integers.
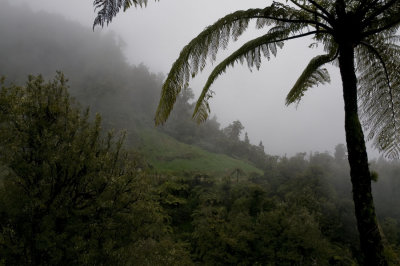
{"x": 370, "y": 238}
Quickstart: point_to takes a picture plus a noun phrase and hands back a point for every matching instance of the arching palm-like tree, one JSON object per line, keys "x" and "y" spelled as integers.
{"x": 360, "y": 37}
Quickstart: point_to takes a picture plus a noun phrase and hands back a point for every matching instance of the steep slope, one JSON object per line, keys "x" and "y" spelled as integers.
{"x": 99, "y": 76}
{"x": 166, "y": 154}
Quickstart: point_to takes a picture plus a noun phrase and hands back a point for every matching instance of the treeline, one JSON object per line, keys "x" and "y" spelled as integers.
{"x": 70, "y": 194}
{"x": 209, "y": 135}
{"x": 300, "y": 212}
{"x": 99, "y": 77}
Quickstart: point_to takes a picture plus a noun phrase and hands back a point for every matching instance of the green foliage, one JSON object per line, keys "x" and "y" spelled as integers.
{"x": 193, "y": 57}
{"x": 291, "y": 237}
{"x": 379, "y": 90}
{"x": 239, "y": 222}
{"x": 350, "y": 31}
{"x": 250, "y": 51}
{"x": 374, "y": 176}
{"x": 311, "y": 76}
{"x": 167, "y": 155}
{"x": 386, "y": 188}
{"x": 234, "y": 130}
{"x": 89, "y": 202}
{"x": 69, "y": 195}
{"x": 99, "y": 76}
{"x": 331, "y": 23}
{"x": 299, "y": 212}
{"x": 340, "y": 152}
{"x": 208, "y": 135}
{"x": 125, "y": 96}
{"x": 206, "y": 45}
{"x": 109, "y": 9}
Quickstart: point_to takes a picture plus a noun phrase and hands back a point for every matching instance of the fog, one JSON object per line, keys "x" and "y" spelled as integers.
{"x": 155, "y": 35}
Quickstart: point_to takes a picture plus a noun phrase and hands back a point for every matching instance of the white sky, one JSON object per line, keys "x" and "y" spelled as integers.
{"x": 155, "y": 35}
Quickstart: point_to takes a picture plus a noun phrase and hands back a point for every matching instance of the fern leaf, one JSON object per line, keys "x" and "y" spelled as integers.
{"x": 108, "y": 9}
{"x": 206, "y": 45}
{"x": 251, "y": 52}
{"x": 379, "y": 93}
{"x": 312, "y": 76}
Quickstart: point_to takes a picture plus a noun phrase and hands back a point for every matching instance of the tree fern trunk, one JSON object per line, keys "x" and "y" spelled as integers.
{"x": 370, "y": 238}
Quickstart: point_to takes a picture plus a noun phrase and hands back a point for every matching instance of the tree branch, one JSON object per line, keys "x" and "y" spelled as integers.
{"x": 364, "y": 6}
{"x": 387, "y": 26}
{"x": 378, "y": 11}
{"x": 310, "y": 11}
{"x": 305, "y": 21}
{"x": 323, "y": 10}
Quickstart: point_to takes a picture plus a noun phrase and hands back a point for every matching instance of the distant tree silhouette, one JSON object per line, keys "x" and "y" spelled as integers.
{"x": 234, "y": 130}
{"x": 340, "y": 152}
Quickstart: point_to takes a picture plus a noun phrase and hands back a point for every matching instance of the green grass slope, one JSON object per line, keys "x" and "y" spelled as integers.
{"x": 168, "y": 155}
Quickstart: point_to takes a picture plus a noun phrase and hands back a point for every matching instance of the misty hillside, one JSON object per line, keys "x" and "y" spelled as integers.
{"x": 41, "y": 43}
{"x": 99, "y": 77}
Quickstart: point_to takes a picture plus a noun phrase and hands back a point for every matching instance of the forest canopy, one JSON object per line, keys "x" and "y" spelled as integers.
{"x": 75, "y": 188}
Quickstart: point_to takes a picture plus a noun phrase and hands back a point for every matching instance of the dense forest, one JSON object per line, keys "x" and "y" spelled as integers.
{"x": 86, "y": 178}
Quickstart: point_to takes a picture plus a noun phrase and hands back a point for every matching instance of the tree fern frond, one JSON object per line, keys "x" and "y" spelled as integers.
{"x": 312, "y": 9}
{"x": 251, "y": 52}
{"x": 193, "y": 57}
{"x": 384, "y": 17}
{"x": 108, "y": 9}
{"x": 379, "y": 97}
{"x": 312, "y": 76}
{"x": 285, "y": 14}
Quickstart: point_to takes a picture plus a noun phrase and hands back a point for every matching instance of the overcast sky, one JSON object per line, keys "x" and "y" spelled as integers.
{"x": 155, "y": 36}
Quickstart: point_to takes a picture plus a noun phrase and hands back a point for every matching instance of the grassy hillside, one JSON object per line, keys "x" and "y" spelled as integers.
{"x": 126, "y": 96}
{"x": 169, "y": 155}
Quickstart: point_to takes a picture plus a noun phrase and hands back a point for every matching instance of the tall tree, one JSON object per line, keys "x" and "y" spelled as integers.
{"x": 360, "y": 37}
{"x": 340, "y": 152}
{"x": 70, "y": 194}
{"x": 234, "y": 130}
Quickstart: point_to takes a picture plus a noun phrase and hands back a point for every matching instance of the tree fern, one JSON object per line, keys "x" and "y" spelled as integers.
{"x": 206, "y": 45}
{"x": 363, "y": 35}
{"x": 251, "y": 52}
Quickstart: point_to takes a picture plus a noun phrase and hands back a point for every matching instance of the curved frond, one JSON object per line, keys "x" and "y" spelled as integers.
{"x": 319, "y": 9}
{"x": 313, "y": 75}
{"x": 379, "y": 98}
{"x": 193, "y": 57}
{"x": 108, "y": 9}
{"x": 383, "y": 17}
{"x": 252, "y": 52}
